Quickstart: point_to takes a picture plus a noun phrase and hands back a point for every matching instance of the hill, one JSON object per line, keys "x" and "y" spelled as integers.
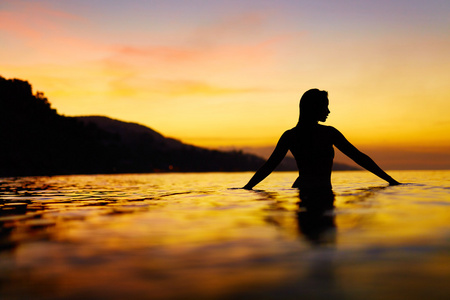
{"x": 132, "y": 133}
{"x": 36, "y": 140}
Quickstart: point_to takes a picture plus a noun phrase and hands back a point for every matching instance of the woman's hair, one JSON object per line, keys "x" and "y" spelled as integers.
{"x": 311, "y": 101}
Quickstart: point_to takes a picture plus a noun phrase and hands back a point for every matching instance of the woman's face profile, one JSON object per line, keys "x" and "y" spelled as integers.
{"x": 323, "y": 111}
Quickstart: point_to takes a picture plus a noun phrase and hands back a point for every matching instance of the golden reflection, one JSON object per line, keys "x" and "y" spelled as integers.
{"x": 319, "y": 229}
{"x": 151, "y": 233}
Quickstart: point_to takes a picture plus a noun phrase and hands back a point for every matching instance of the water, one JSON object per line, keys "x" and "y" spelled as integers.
{"x": 188, "y": 236}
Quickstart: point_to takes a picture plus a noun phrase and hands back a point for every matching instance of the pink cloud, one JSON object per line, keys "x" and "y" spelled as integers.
{"x": 186, "y": 68}
{"x": 163, "y": 53}
{"x": 238, "y": 54}
{"x": 31, "y": 20}
{"x": 233, "y": 40}
{"x": 13, "y": 23}
{"x": 242, "y": 27}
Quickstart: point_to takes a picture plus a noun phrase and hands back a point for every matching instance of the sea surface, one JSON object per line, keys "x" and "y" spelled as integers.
{"x": 192, "y": 236}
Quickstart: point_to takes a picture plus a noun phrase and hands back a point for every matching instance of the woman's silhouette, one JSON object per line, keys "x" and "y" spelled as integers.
{"x": 312, "y": 147}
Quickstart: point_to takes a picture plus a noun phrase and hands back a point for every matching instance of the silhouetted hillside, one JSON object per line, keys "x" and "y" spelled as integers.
{"x": 132, "y": 133}
{"x": 149, "y": 148}
{"x": 36, "y": 140}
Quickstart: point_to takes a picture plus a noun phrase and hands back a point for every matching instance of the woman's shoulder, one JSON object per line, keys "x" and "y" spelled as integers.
{"x": 290, "y": 131}
{"x": 327, "y": 128}
{"x": 329, "y": 131}
{"x": 287, "y": 134}
{"x": 322, "y": 128}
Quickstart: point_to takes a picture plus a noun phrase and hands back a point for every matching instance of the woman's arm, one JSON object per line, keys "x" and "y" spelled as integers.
{"x": 360, "y": 158}
{"x": 274, "y": 160}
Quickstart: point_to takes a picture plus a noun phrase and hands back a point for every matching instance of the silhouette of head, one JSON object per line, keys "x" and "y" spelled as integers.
{"x": 314, "y": 106}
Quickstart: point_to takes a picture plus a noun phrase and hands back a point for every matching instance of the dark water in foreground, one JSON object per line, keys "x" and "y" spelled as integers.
{"x": 188, "y": 236}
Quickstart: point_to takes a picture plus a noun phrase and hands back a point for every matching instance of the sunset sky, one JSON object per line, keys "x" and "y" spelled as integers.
{"x": 229, "y": 74}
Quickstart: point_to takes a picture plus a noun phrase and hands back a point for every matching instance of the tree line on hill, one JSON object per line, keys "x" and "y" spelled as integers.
{"x": 36, "y": 140}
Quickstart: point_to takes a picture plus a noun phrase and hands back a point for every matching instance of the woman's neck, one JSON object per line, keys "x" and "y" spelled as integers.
{"x": 307, "y": 122}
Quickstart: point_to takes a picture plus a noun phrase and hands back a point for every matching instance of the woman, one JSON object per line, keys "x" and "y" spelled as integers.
{"x": 312, "y": 147}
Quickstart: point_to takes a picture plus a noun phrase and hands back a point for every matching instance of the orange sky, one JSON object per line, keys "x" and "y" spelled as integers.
{"x": 230, "y": 73}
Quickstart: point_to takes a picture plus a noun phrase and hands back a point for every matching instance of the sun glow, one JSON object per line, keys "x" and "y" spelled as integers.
{"x": 226, "y": 77}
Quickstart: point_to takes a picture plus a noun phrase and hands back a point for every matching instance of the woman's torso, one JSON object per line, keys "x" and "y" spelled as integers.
{"x": 312, "y": 147}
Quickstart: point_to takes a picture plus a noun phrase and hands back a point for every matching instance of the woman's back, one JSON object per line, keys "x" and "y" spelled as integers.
{"x": 312, "y": 147}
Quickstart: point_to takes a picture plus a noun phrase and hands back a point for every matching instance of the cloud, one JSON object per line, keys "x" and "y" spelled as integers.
{"x": 132, "y": 85}
{"x": 32, "y": 20}
{"x": 172, "y": 55}
{"x": 194, "y": 68}
{"x": 43, "y": 35}
{"x": 190, "y": 87}
{"x": 184, "y": 61}
{"x": 244, "y": 27}
{"x": 233, "y": 42}
{"x": 13, "y": 24}
{"x": 159, "y": 52}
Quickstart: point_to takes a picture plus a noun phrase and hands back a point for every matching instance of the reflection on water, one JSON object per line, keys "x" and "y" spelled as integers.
{"x": 316, "y": 216}
{"x": 318, "y": 228}
{"x": 166, "y": 236}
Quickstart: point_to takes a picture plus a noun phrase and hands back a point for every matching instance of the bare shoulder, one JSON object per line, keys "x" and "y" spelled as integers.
{"x": 328, "y": 129}
{"x": 288, "y": 134}
{"x": 287, "y": 137}
{"x": 332, "y": 133}
{"x": 289, "y": 131}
